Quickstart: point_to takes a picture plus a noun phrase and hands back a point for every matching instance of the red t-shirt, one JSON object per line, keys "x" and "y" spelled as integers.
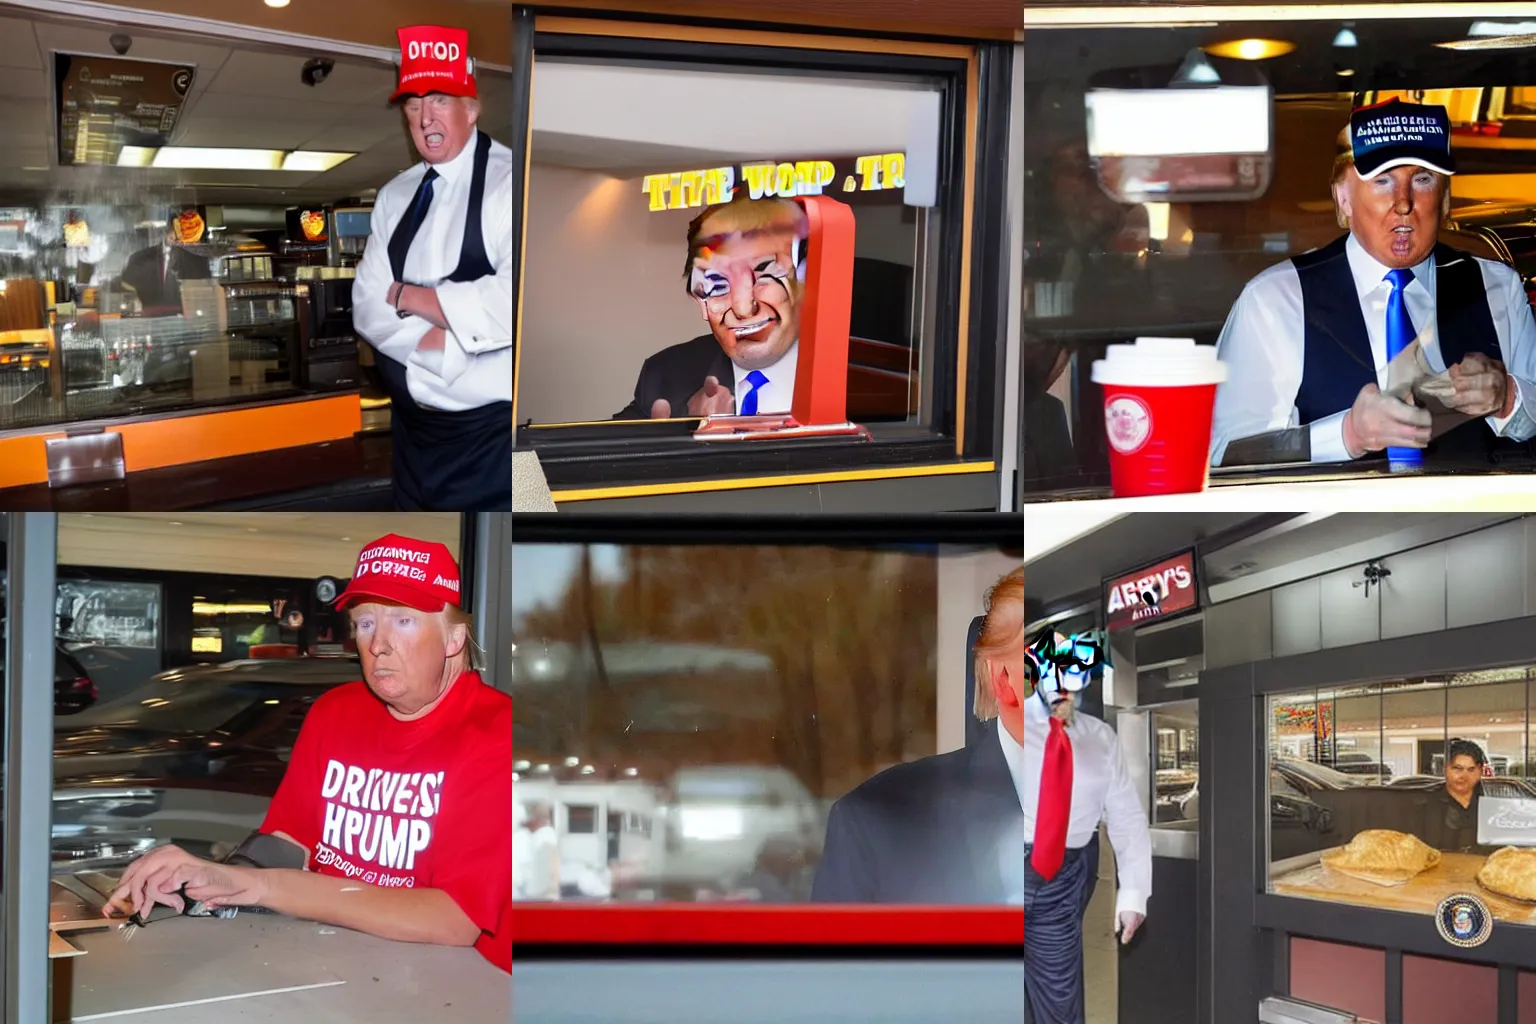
{"x": 423, "y": 804}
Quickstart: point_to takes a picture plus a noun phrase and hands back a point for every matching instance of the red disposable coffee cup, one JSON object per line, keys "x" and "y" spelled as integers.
{"x": 1159, "y": 395}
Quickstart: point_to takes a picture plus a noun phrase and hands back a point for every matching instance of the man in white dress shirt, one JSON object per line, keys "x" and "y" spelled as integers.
{"x": 746, "y": 271}
{"x": 433, "y": 293}
{"x": 1308, "y": 342}
{"x": 1074, "y": 775}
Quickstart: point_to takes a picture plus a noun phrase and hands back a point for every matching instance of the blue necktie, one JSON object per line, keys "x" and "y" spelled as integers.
{"x": 405, "y": 231}
{"x": 1400, "y": 335}
{"x": 749, "y": 402}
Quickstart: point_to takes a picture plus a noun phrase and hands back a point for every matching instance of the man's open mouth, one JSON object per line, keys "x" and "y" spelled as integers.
{"x": 756, "y": 326}
{"x": 434, "y": 138}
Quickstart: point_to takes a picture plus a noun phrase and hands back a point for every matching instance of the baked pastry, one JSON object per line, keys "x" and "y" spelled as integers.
{"x": 189, "y": 227}
{"x": 1383, "y": 857}
{"x": 1510, "y": 872}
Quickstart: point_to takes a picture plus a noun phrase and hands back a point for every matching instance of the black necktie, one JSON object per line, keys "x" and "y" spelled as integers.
{"x": 405, "y": 231}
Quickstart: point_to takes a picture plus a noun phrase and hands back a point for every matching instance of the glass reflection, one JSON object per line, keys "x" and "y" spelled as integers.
{"x": 682, "y": 735}
{"x": 1396, "y": 795}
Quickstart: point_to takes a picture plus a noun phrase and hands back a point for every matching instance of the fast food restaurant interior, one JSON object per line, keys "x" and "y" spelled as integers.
{"x": 1168, "y": 164}
{"x": 186, "y": 651}
{"x": 181, "y": 273}
{"x": 1351, "y": 697}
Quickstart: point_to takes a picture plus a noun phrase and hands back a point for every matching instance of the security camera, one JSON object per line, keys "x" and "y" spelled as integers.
{"x": 1150, "y": 597}
{"x": 121, "y": 42}
{"x": 317, "y": 70}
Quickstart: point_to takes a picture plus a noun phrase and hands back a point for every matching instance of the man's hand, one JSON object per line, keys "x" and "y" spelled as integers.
{"x": 1129, "y": 922}
{"x": 1378, "y": 421}
{"x": 422, "y": 302}
{"x": 712, "y": 399}
{"x": 157, "y": 877}
{"x": 1481, "y": 384}
{"x": 433, "y": 340}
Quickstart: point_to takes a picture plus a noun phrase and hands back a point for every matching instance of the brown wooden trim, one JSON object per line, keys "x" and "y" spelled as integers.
{"x": 522, "y": 259}
{"x": 556, "y": 24}
{"x": 1008, "y": 25}
{"x": 968, "y": 210}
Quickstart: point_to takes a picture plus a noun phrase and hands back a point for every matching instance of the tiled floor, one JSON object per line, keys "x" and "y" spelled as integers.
{"x": 1100, "y": 960}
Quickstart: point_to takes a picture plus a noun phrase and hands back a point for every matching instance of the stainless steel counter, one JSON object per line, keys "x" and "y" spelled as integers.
{"x": 259, "y": 967}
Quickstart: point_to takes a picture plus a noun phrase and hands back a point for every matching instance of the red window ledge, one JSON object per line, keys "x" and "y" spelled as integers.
{"x": 757, "y": 925}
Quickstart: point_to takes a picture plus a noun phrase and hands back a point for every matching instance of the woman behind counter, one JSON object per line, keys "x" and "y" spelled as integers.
{"x": 1451, "y": 815}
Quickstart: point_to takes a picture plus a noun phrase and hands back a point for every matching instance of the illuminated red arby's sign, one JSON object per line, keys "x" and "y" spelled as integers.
{"x": 1156, "y": 592}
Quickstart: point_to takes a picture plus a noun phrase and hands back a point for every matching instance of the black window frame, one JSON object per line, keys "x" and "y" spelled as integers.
{"x": 619, "y": 461}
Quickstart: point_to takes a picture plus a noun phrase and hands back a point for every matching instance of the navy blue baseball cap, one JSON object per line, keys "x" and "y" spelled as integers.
{"x": 1397, "y": 134}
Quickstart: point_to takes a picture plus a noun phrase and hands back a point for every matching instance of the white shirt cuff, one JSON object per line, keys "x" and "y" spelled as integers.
{"x": 1130, "y": 899}
{"x": 1327, "y": 435}
{"x": 1500, "y": 424}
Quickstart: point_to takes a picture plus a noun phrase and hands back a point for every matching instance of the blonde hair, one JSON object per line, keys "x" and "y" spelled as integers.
{"x": 1002, "y": 627}
{"x": 743, "y": 216}
{"x": 1344, "y": 163}
{"x": 470, "y": 659}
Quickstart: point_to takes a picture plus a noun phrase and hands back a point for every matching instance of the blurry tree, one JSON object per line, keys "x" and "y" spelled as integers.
{"x": 850, "y": 632}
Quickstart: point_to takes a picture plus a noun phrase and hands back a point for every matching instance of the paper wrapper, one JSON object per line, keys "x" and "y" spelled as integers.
{"x": 1411, "y": 372}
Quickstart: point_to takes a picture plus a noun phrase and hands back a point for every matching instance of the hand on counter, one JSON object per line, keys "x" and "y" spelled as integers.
{"x": 422, "y": 302}
{"x": 1378, "y": 421}
{"x": 157, "y": 877}
{"x": 1482, "y": 387}
{"x": 1129, "y": 922}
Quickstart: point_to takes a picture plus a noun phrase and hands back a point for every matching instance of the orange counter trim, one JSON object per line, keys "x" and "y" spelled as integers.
{"x": 179, "y": 440}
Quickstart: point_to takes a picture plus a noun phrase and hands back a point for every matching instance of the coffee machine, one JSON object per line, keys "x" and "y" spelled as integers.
{"x": 327, "y": 342}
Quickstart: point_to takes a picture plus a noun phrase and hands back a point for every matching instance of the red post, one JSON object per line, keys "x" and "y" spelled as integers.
{"x": 821, "y": 376}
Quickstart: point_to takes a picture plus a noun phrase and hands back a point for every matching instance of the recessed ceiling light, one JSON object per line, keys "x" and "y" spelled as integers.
{"x": 277, "y": 3}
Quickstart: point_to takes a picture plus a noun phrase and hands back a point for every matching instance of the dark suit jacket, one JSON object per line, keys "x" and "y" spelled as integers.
{"x": 929, "y": 831}
{"x": 675, "y": 373}
{"x": 142, "y": 274}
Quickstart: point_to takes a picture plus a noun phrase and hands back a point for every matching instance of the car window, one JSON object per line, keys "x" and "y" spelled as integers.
{"x": 174, "y": 705}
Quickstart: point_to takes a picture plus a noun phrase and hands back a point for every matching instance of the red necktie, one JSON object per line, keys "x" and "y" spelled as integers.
{"x": 1055, "y": 803}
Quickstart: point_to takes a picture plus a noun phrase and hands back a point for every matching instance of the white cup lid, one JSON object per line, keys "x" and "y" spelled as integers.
{"x": 1160, "y": 362}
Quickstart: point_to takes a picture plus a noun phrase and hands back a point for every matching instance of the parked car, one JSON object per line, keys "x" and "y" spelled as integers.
{"x": 1308, "y": 776}
{"x": 73, "y": 688}
{"x": 194, "y": 755}
{"x": 1500, "y": 786}
{"x": 720, "y": 823}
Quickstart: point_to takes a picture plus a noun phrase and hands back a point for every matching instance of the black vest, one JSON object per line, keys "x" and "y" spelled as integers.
{"x": 1338, "y": 360}
{"x": 452, "y": 461}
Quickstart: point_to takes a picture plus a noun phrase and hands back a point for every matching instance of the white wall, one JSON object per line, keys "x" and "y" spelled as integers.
{"x": 964, "y": 580}
{"x": 604, "y": 288}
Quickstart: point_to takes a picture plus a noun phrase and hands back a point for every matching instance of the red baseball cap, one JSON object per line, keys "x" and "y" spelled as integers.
{"x": 435, "y": 59}
{"x": 401, "y": 570}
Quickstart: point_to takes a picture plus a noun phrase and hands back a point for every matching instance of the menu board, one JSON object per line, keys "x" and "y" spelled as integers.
{"x": 106, "y": 103}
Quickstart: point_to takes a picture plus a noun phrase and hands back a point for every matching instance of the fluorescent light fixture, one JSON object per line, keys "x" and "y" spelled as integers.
{"x": 301, "y": 160}
{"x": 199, "y": 158}
{"x": 205, "y": 159}
{"x": 1179, "y": 122}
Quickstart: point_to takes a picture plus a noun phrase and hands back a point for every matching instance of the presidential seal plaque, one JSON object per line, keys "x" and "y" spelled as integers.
{"x": 1463, "y": 920}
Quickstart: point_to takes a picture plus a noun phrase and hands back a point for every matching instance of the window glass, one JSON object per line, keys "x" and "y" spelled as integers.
{"x": 1399, "y": 794}
{"x": 720, "y": 714}
{"x": 179, "y": 225}
{"x": 1176, "y": 731}
{"x": 1150, "y": 204}
{"x": 621, "y": 310}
